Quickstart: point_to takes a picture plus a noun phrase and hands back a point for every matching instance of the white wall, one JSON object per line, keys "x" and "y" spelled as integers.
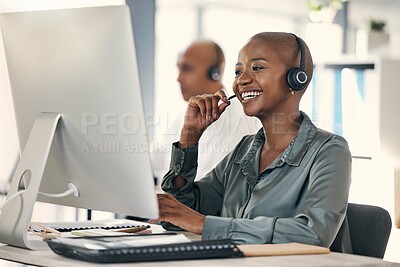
{"x": 361, "y": 11}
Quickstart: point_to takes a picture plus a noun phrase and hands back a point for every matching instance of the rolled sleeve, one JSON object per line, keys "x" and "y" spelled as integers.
{"x": 184, "y": 163}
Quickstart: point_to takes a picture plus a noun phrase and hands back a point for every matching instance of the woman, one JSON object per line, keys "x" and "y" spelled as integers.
{"x": 288, "y": 183}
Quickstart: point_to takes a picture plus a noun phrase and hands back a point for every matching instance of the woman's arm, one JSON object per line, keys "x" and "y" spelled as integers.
{"x": 202, "y": 110}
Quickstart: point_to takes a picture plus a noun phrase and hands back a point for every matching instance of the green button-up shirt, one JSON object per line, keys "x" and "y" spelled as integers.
{"x": 300, "y": 197}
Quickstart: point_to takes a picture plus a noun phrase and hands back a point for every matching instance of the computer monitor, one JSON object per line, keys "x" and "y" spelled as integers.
{"x": 79, "y": 115}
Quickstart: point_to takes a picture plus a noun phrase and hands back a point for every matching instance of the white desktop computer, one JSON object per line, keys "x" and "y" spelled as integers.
{"x": 79, "y": 115}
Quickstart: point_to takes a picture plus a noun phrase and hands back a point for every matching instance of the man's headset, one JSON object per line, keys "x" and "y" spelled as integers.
{"x": 214, "y": 72}
{"x": 297, "y": 77}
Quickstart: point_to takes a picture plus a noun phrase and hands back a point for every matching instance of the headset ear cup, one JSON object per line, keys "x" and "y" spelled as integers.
{"x": 297, "y": 79}
{"x": 214, "y": 73}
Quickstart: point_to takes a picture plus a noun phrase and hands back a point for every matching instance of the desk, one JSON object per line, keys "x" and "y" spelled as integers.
{"x": 48, "y": 258}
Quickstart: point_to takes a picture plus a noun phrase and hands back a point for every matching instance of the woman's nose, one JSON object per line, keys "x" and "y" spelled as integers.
{"x": 244, "y": 78}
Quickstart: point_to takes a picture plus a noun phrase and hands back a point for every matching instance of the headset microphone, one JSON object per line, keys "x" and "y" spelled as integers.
{"x": 297, "y": 77}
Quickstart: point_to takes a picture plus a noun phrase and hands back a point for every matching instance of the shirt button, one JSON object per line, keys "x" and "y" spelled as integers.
{"x": 178, "y": 166}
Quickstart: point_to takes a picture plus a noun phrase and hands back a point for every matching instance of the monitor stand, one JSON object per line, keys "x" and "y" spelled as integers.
{"x": 16, "y": 215}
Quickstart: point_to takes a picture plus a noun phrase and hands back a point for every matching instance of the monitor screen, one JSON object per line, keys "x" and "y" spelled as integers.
{"x": 81, "y": 63}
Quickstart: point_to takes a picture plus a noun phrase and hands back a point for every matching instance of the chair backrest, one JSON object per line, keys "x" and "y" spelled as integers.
{"x": 370, "y": 228}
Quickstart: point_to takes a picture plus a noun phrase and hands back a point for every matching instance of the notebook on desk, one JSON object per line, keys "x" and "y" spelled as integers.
{"x": 141, "y": 248}
{"x": 167, "y": 246}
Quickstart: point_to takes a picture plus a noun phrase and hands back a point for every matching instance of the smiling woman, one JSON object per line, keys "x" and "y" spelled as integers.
{"x": 287, "y": 183}
{"x": 271, "y": 70}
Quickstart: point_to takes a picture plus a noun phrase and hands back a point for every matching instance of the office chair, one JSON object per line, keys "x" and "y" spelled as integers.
{"x": 370, "y": 228}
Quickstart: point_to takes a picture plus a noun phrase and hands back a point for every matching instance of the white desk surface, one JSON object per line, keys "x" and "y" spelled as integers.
{"x": 49, "y": 258}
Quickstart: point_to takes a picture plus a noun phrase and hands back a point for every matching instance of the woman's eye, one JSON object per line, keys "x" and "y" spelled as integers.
{"x": 237, "y": 72}
{"x": 256, "y": 68}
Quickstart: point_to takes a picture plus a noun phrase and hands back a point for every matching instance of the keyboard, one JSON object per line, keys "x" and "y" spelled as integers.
{"x": 86, "y": 225}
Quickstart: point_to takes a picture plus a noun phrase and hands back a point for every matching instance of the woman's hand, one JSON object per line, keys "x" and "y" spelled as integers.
{"x": 202, "y": 110}
{"x": 172, "y": 211}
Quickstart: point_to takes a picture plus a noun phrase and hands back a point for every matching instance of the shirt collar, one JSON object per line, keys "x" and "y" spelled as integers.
{"x": 302, "y": 141}
{"x": 294, "y": 153}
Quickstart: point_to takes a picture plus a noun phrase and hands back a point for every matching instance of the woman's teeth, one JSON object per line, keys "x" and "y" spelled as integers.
{"x": 250, "y": 95}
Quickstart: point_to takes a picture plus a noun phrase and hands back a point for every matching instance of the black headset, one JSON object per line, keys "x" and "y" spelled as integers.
{"x": 214, "y": 72}
{"x": 297, "y": 77}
